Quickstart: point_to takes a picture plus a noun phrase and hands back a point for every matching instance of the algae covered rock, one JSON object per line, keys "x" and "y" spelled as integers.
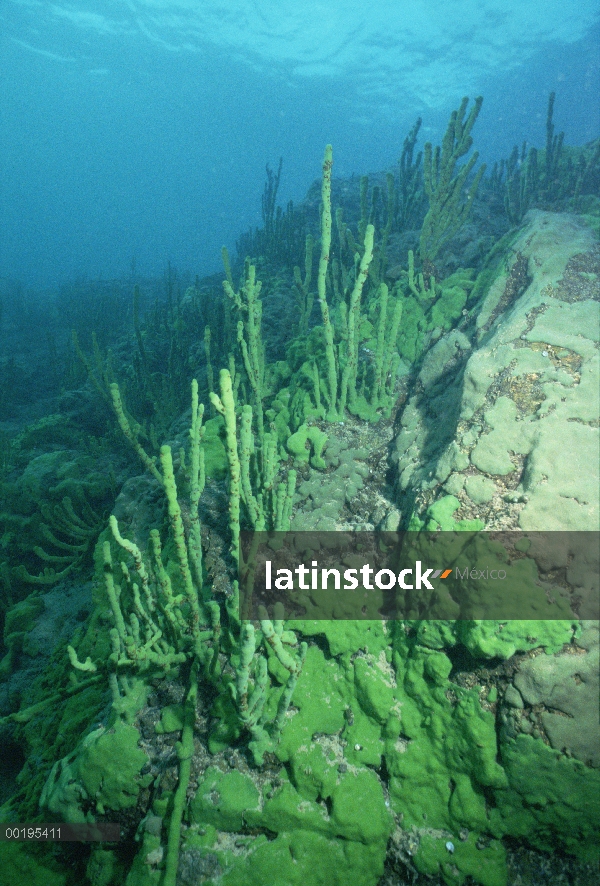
{"x": 102, "y": 774}
{"x": 223, "y": 799}
{"x": 563, "y": 690}
{"x": 515, "y": 394}
{"x": 503, "y": 429}
{"x": 18, "y": 865}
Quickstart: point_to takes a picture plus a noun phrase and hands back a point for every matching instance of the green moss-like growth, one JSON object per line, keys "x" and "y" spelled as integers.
{"x": 104, "y": 868}
{"x": 19, "y": 865}
{"x": 553, "y": 800}
{"x": 215, "y": 457}
{"x": 171, "y": 719}
{"x": 448, "y": 307}
{"x": 303, "y": 857}
{"x": 223, "y": 799}
{"x": 441, "y": 313}
{"x": 412, "y": 330}
{"x": 307, "y": 444}
{"x": 103, "y": 773}
{"x": 440, "y": 516}
{"x": 455, "y": 861}
{"x": 321, "y": 698}
{"x": 20, "y": 618}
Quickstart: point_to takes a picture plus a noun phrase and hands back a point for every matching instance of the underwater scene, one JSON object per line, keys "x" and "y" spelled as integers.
{"x": 299, "y": 534}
